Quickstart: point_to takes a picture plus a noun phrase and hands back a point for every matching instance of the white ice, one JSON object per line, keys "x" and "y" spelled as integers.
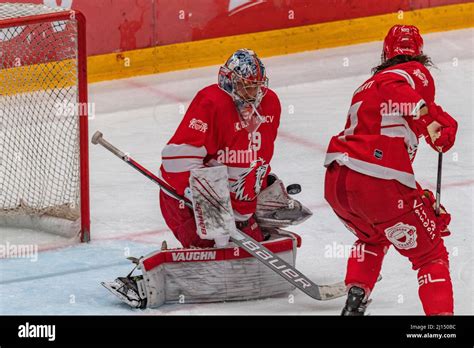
{"x": 140, "y": 114}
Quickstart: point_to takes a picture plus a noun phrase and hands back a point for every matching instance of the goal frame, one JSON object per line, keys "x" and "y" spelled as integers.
{"x": 67, "y": 15}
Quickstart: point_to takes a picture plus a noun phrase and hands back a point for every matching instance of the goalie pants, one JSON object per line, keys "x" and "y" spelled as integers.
{"x": 180, "y": 220}
{"x": 382, "y": 213}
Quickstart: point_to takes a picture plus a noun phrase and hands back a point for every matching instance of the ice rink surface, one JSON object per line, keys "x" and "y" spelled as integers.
{"x": 139, "y": 115}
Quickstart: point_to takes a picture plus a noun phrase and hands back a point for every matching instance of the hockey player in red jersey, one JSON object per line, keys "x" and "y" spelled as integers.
{"x": 232, "y": 123}
{"x": 370, "y": 183}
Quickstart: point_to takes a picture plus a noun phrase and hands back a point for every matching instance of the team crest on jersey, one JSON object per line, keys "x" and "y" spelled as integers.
{"x": 249, "y": 183}
{"x": 418, "y": 73}
{"x": 401, "y": 235}
{"x": 412, "y": 149}
{"x": 198, "y": 125}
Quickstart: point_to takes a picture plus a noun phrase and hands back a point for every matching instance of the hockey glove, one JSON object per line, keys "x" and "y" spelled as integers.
{"x": 442, "y": 132}
{"x": 444, "y": 217}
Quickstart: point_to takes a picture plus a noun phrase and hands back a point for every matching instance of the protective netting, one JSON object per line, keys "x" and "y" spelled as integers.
{"x": 39, "y": 124}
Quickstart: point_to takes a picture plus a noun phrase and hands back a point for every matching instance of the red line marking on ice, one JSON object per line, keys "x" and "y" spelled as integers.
{"x": 132, "y": 237}
{"x": 451, "y": 184}
{"x": 156, "y": 92}
{"x": 47, "y": 247}
{"x": 301, "y": 141}
{"x": 460, "y": 183}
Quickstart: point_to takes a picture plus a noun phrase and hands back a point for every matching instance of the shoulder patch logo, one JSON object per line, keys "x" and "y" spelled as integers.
{"x": 421, "y": 76}
{"x": 198, "y": 125}
{"x": 402, "y": 236}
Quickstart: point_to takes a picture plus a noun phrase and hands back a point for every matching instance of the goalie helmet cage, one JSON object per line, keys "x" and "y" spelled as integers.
{"x": 44, "y": 171}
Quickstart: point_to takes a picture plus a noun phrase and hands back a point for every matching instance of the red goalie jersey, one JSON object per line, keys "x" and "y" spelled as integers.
{"x": 381, "y": 135}
{"x": 212, "y": 133}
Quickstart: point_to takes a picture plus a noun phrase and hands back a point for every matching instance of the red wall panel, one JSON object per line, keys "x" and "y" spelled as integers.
{"x": 119, "y": 25}
{"x": 189, "y": 20}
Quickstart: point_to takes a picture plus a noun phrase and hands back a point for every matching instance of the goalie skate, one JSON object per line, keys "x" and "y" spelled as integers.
{"x": 127, "y": 290}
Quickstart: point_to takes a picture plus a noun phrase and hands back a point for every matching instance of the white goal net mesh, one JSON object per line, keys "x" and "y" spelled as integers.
{"x": 39, "y": 122}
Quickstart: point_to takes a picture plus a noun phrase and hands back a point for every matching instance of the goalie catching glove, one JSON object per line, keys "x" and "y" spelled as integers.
{"x": 276, "y": 209}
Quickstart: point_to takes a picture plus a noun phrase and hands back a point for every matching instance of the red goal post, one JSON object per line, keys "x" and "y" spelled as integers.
{"x": 44, "y": 170}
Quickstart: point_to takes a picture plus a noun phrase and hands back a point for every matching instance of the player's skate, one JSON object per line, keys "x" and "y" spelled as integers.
{"x": 356, "y": 302}
{"x": 129, "y": 290}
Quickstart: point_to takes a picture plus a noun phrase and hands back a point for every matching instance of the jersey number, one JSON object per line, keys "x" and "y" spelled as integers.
{"x": 353, "y": 118}
{"x": 255, "y": 139}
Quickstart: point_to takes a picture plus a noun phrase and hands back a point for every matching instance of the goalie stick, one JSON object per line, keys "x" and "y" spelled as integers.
{"x": 262, "y": 254}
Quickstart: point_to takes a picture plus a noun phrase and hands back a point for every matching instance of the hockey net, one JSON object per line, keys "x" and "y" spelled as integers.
{"x": 43, "y": 120}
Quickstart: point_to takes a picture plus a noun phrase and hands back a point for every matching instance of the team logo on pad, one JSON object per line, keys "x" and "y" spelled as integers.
{"x": 401, "y": 235}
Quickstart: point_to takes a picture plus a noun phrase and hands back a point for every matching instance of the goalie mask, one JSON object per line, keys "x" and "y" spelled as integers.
{"x": 244, "y": 78}
{"x": 402, "y": 39}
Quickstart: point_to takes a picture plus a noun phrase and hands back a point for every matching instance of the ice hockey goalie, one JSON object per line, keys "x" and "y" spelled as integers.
{"x": 219, "y": 159}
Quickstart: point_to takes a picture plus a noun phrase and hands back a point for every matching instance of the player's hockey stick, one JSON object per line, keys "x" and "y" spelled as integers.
{"x": 438, "y": 183}
{"x": 265, "y": 256}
